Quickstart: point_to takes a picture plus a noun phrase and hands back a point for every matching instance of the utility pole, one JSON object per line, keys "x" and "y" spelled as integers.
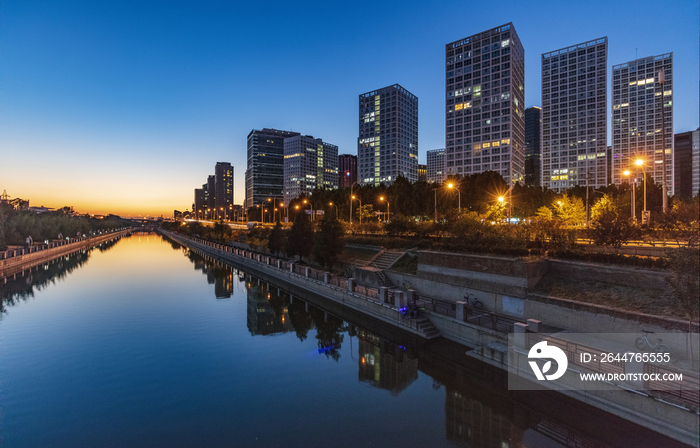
{"x": 662, "y": 78}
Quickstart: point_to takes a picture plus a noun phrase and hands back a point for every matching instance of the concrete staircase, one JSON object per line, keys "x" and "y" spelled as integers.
{"x": 386, "y": 259}
{"x": 424, "y": 325}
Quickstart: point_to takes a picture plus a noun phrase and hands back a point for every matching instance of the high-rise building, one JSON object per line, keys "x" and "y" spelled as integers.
{"x": 637, "y": 117}
{"x": 422, "y": 173}
{"x": 435, "y": 168}
{"x": 223, "y": 179}
{"x": 574, "y": 123}
{"x": 308, "y": 163}
{"x": 200, "y": 202}
{"x": 264, "y": 175}
{"x": 484, "y": 117}
{"x": 387, "y": 146}
{"x": 533, "y": 146}
{"x": 210, "y": 196}
{"x": 686, "y": 178}
{"x": 347, "y": 170}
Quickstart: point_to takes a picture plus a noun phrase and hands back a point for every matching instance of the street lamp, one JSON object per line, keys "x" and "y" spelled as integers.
{"x": 286, "y": 209}
{"x": 634, "y": 215}
{"x": 311, "y": 207}
{"x": 640, "y": 162}
{"x": 351, "y": 199}
{"x": 336, "y": 210}
{"x": 459, "y": 196}
{"x": 381, "y": 198}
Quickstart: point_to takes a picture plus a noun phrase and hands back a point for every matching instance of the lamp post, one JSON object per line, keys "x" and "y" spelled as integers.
{"x": 459, "y": 197}
{"x": 634, "y": 215}
{"x": 286, "y": 211}
{"x": 311, "y": 207}
{"x": 381, "y": 198}
{"x": 351, "y": 198}
{"x": 501, "y": 199}
{"x": 640, "y": 162}
{"x": 336, "y": 210}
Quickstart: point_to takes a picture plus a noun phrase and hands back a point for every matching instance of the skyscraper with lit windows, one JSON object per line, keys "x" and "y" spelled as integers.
{"x": 574, "y": 121}
{"x": 637, "y": 117}
{"x": 387, "y": 146}
{"x": 308, "y": 163}
{"x": 485, "y": 96}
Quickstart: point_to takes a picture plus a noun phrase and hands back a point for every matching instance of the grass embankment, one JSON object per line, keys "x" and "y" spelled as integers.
{"x": 658, "y": 302}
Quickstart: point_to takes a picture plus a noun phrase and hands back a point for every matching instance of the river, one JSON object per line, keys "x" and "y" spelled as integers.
{"x": 141, "y": 342}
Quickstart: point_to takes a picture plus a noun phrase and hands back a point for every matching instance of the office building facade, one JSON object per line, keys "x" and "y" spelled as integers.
{"x": 574, "y": 120}
{"x": 422, "y": 173}
{"x": 387, "y": 146}
{"x": 347, "y": 170}
{"x": 637, "y": 98}
{"x": 435, "y": 166}
{"x": 484, "y": 116}
{"x": 223, "y": 181}
{"x": 264, "y": 176}
{"x": 533, "y": 146}
{"x": 308, "y": 163}
{"x": 686, "y": 178}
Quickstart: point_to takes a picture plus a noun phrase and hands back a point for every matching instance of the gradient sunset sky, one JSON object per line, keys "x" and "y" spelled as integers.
{"x": 126, "y": 106}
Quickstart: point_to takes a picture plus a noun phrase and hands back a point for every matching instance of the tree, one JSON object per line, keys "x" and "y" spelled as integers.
{"x": 570, "y": 210}
{"x": 300, "y": 240}
{"x": 613, "y": 231}
{"x": 545, "y": 212}
{"x": 277, "y": 240}
{"x": 221, "y": 232}
{"x": 400, "y": 225}
{"x": 605, "y": 205}
{"x": 366, "y": 212}
{"x": 329, "y": 241}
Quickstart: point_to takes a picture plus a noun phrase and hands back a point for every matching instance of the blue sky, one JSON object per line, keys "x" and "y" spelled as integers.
{"x": 126, "y": 106}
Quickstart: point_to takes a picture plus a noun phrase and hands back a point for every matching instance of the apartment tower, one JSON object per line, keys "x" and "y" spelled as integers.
{"x": 387, "y": 146}
{"x": 308, "y": 163}
{"x": 574, "y": 124}
{"x": 484, "y": 116}
{"x": 638, "y": 133}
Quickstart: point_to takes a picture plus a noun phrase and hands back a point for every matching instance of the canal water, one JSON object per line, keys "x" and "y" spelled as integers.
{"x": 141, "y": 342}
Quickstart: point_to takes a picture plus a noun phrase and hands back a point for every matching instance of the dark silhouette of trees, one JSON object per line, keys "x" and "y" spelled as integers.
{"x": 300, "y": 240}
{"x": 329, "y": 241}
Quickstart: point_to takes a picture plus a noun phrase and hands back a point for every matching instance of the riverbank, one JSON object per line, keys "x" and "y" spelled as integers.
{"x": 18, "y": 260}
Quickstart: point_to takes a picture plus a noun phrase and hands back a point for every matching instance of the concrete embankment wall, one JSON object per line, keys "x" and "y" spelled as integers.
{"x": 13, "y": 265}
{"x": 290, "y": 281}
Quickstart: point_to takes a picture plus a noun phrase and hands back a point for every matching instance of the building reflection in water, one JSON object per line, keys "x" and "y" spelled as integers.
{"x": 479, "y": 410}
{"x": 268, "y": 313}
{"x": 218, "y": 274}
{"x": 383, "y": 364}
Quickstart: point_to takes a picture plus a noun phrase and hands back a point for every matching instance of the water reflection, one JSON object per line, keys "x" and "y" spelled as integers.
{"x": 479, "y": 410}
{"x": 383, "y": 364}
{"x": 23, "y": 285}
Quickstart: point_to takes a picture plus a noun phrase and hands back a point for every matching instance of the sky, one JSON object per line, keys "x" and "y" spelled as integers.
{"x": 126, "y": 106}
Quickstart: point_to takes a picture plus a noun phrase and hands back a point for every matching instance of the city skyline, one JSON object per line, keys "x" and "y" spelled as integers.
{"x": 115, "y": 109}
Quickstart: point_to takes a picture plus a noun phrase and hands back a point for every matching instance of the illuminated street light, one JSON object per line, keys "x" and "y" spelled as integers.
{"x": 336, "y": 209}
{"x": 634, "y": 214}
{"x": 351, "y": 199}
{"x": 640, "y": 162}
{"x": 459, "y": 196}
{"x": 381, "y": 198}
